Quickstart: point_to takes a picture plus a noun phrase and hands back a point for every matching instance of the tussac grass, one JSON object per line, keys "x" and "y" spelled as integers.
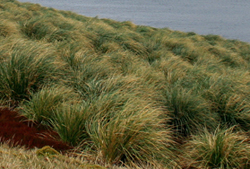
{"x": 125, "y": 95}
{"x": 221, "y": 149}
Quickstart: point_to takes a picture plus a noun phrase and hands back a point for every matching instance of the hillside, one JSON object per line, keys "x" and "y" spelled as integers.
{"x": 123, "y": 95}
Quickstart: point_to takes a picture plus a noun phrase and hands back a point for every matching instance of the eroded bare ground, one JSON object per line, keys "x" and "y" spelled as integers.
{"x": 16, "y": 130}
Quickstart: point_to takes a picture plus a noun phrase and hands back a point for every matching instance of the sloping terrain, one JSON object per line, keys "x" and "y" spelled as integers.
{"x": 122, "y": 95}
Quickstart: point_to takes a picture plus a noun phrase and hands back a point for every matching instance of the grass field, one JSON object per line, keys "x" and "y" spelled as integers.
{"x": 125, "y": 96}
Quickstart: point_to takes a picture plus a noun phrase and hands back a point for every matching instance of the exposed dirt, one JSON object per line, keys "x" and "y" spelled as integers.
{"x": 17, "y": 130}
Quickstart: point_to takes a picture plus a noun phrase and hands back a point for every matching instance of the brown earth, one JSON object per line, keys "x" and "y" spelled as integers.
{"x": 16, "y": 130}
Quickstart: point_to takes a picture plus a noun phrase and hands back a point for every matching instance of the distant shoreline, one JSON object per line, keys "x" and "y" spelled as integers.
{"x": 226, "y": 18}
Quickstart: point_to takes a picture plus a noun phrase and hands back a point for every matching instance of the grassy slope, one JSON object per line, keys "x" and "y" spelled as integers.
{"x": 132, "y": 93}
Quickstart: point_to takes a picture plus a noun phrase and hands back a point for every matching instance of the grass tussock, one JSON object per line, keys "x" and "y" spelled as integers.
{"x": 42, "y": 105}
{"x": 120, "y": 130}
{"x": 25, "y": 69}
{"x": 69, "y": 122}
{"x": 125, "y": 95}
{"x": 220, "y": 149}
{"x": 8, "y": 28}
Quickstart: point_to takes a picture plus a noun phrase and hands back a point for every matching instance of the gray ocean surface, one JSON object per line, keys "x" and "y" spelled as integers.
{"x": 228, "y": 18}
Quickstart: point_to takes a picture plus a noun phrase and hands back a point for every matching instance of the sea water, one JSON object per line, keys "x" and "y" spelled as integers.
{"x": 228, "y": 18}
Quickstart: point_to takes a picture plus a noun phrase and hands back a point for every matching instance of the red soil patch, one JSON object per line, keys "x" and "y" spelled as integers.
{"x": 17, "y": 130}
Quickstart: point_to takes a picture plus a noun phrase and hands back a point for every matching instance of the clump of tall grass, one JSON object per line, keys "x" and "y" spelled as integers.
{"x": 120, "y": 115}
{"x": 173, "y": 68}
{"x": 134, "y": 46}
{"x": 184, "y": 49}
{"x": 222, "y": 148}
{"x": 188, "y": 111}
{"x": 51, "y": 29}
{"x": 28, "y": 66}
{"x": 210, "y": 63}
{"x": 38, "y": 28}
{"x": 89, "y": 68}
{"x": 229, "y": 99}
{"x": 43, "y": 104}
{"x": 123, "y": 61}
{"x": 122, "y": 131}
{"x": 213, "y": 39}
{"x": 234, "y": 110}
{"x": 16, "y": 12}
{"x": 69, "y": 122}
{"x": 234, "y": 60}
{"x": 75, "y": 57}
{"x": 123, "y": 39}
{"x": 8, "y": 28}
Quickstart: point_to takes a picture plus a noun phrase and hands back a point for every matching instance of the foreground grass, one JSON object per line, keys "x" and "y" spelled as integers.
{"x": 126, "y": 95}
{"x": 221, "y": 149}
{"x": 47, "y": 157}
